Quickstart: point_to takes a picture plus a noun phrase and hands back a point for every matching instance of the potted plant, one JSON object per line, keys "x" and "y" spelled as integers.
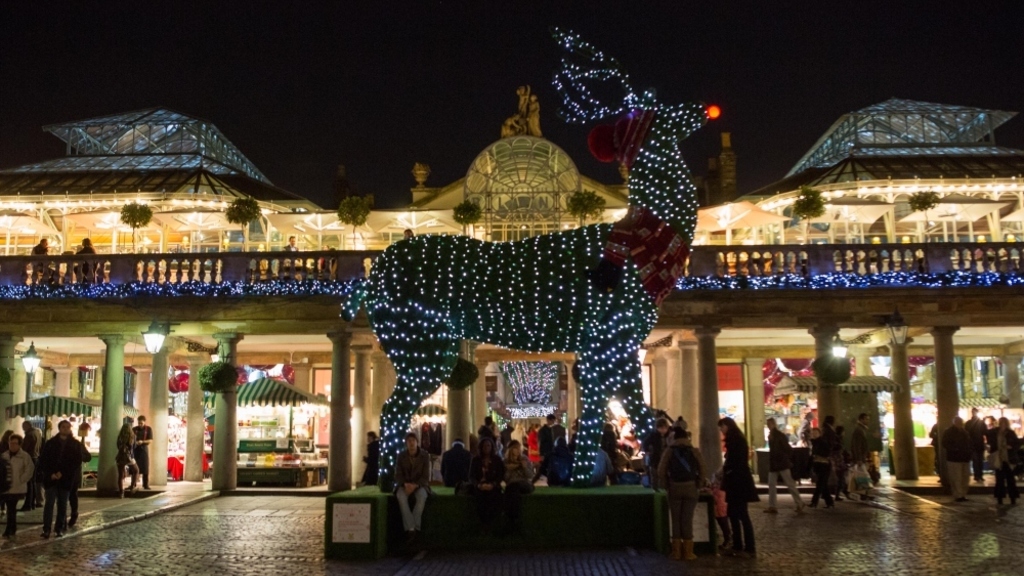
{"x": 808, "y": 206}
{"x": 136, "y": 216}
{"x": 464, "y": 374}
{"x": 923, "y": 202}
{"x": 585, "y": 205}
{"x": 218, "y": 377}
{"x": 831, "y": 370}
{"x": 243, "y": 211}
{"x": 353, "y": 212}
{"x": 467, "y": 213}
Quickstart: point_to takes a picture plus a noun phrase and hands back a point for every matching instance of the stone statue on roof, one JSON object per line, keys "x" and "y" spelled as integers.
{"x": 526, "y": 120}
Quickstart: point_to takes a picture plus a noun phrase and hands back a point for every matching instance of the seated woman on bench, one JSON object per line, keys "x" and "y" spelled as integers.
{"x": 486, "y": 474}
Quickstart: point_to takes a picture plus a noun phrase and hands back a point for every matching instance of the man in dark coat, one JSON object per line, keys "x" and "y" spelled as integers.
{"x": 59, "y": 462}
{"x": 859, "y": 440}
{"x": 653, "y": 446}
{"x": 780, "y": 460}
{"x": 32, "y": 444}
{"x": 956, "y": 441}
{"x": 977, "y": 428}
{"x": 455, "y": 464}
{"x": 372, "y": 460}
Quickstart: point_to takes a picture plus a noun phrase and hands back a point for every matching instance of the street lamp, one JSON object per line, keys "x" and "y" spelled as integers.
{"x": 31, "y": 359}
{"x": 155, "y": 335}
{"x": 897, "y": 328}
{"x": 838, "y": 348}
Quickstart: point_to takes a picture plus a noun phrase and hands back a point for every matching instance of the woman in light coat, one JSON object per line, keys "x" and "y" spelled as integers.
{"x": 21, "y": 469}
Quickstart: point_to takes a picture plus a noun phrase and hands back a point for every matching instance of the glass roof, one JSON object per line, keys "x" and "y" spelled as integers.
{"x": 155, "y": 131}
{"x": 898, "y": 123}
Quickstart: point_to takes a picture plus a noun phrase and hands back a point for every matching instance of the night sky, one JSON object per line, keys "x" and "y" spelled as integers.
{"x": 301, "y": 87}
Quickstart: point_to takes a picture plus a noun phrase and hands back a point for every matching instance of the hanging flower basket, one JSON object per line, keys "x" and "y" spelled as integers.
{"x": 463, "y": 375}
{"x": 832, "y": 370}
{"x": 218, "y": 377}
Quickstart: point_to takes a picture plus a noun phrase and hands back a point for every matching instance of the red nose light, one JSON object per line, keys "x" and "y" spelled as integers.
{"x": 714, "y": 112}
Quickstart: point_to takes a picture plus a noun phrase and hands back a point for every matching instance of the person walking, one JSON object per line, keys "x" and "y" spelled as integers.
{"x": 1002, "y": 446}
{"x": 83, "y": 431}
{"x": 821, "y": 463}
{"x": 681, "y": 471}
{"x": 956, "y": 441}
{"x": 805, "y": 429}
{"x": 412, "y": 480}
{"x": 372, "y": 460}
{"x": 653, "y": 446}
{"x": 545, "y": 445}
{"x": 32, "y": 444}
{"x": 977, "y": 428}
{"x": 533, "y": 444}
{"x": 518, "y": 481}
{"x": 780, "y": 462}
{"x": 59, "y": 461}
{"x": 506, "y": 434}
{"x": 841, "y": 464}
{"x": 143, "y": 438}
{"x": 739, "y": 487}
{"x": 486, "y": 473}
{"x": 125, "y": 459}
{"x": 20, "y": 468}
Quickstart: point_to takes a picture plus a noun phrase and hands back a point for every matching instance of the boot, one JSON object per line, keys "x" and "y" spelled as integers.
{"x": 677, "y": 549}
{"x": 688, "y": 550}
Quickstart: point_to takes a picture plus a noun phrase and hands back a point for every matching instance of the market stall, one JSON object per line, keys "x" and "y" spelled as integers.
{"x": 275, "y": 427}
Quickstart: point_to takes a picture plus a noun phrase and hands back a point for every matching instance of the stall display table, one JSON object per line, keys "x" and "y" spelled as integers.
{"x": 298, "y": 476}
{"x": 176, "y": 467}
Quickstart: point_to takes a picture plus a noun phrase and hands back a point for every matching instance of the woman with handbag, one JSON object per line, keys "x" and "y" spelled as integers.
{"x": 126, "y": 459}
{"x": 1002, "y": 446}
{"x": 739, "y": 487}
{"x": 681, "y": 472}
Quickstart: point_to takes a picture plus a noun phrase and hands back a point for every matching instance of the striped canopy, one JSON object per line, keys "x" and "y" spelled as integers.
{"x": 809, "y": 385}
{"x": 431, "y": 410}
{"x": 52, "y": 406}
{"x": 63, "y": 406}
{"x": 270, "y": 392}
{"x": 982, "y": 403}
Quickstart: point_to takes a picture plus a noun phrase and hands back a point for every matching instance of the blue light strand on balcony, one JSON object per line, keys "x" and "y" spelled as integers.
{"x": 184, "y": 289}
{"x": 955, "y": 279}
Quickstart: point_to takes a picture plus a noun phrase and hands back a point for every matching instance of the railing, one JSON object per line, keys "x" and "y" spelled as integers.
{"x": 207, "y": 268}
{"x": 858, "y": 259}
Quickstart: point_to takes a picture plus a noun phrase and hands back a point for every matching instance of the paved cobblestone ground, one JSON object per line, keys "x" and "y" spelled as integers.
{"x": 900, "y": 534}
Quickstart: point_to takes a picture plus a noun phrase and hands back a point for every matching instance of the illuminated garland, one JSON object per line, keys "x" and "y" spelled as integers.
{"x": 427, "y": 294}
{"x": 184, "y": 289}
{"x": 953, "y": 279}
{"x": 519, "y": 412}
{"x": 531, "y": 382}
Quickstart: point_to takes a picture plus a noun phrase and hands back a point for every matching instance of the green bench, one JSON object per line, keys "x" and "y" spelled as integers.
{"x": 365, "y": 523}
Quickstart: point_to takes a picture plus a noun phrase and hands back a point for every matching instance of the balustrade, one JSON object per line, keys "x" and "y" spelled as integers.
{"x": 180, "y": 268}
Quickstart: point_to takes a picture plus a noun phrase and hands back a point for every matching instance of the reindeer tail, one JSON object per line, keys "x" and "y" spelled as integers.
{"x": 351, "y": 306}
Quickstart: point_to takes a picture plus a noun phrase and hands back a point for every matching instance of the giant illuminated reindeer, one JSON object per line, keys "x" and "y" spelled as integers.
{"x": 594, "y": 290}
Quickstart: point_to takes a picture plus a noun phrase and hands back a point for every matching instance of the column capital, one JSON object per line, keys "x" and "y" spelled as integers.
{"x": 113, "y": 339}
{"x": 686, "y": 344}
{"x": 62, "y": 369}
{"x": 754, "y": 361}
{"x": 943, "y": 331}
{"x": 828, "y": 331}
{"x": 362, "y": 349}
{"x": 706, "y": 332}
{"x": 228, "y": 337}
{"x": 891, "y": 344}
{"x": 340, "y": 337}
{"x": 198, "y": 358}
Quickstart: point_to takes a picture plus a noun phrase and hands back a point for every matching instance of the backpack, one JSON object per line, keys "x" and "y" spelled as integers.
{"x": 5, "y": 475}
{"x": 683, "y": 466}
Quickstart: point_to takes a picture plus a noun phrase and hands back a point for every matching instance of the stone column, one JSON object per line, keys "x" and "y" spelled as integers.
{"x": 360, "y": 394}
{"x": 1011, "y": 379}
{"x": 158, "y": 401}
{"x": 19, "y": 385}
{"x": 754, "y": 396}
{"x": 946, "y": 394}
{"x": 710, "y": 439}
{"x": 61, "y": 387}
{"x": 143, "y": 389}
{"x": 225, "y": 431}
{"x": 478, "y": 398}
{"x": 303, "y": 381}
{"x": 660, "y": 381}
{"x": 904, "y": 447}
{"x": 673, "y": 394}
{"x": 7, "y": 362}
{"x": 383, "y": 383}
{"x": 113, "y": 406}
{"x": 195, "y": 443}
{"x": 828, "y": 395}
{"x": 339, "y": 472}
{"x": 573, "y": 408}
{"x": 689, "y": 384}
{"x": 861, "y": 360}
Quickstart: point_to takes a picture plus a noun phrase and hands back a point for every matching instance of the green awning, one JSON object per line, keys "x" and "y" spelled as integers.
{"x": 431, "y": 410}
{"x": 271, "y": 392}
{"x": 52, "y": 406}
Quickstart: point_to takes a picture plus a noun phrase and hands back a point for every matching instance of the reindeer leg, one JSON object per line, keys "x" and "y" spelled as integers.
{"x": 423, "y": 351}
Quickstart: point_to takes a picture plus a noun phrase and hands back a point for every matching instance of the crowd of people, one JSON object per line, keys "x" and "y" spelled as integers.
{"x": 49, "y": 474}
{"x": 966, "y": 444}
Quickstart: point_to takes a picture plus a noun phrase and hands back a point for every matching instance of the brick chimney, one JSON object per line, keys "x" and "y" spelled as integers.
{"x": 726, "y": 170}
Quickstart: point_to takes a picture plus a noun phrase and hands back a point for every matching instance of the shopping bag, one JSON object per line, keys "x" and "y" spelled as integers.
{"x": 861, "y": 477}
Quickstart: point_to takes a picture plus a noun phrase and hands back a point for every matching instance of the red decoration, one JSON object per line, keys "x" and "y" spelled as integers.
{"x": 714, "y": 112}
{"x": 658, "y": 252}
{"x": 601, "y": 142}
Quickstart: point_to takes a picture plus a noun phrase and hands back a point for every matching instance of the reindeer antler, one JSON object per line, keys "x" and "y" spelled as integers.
{"x": 584, "y": 68}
